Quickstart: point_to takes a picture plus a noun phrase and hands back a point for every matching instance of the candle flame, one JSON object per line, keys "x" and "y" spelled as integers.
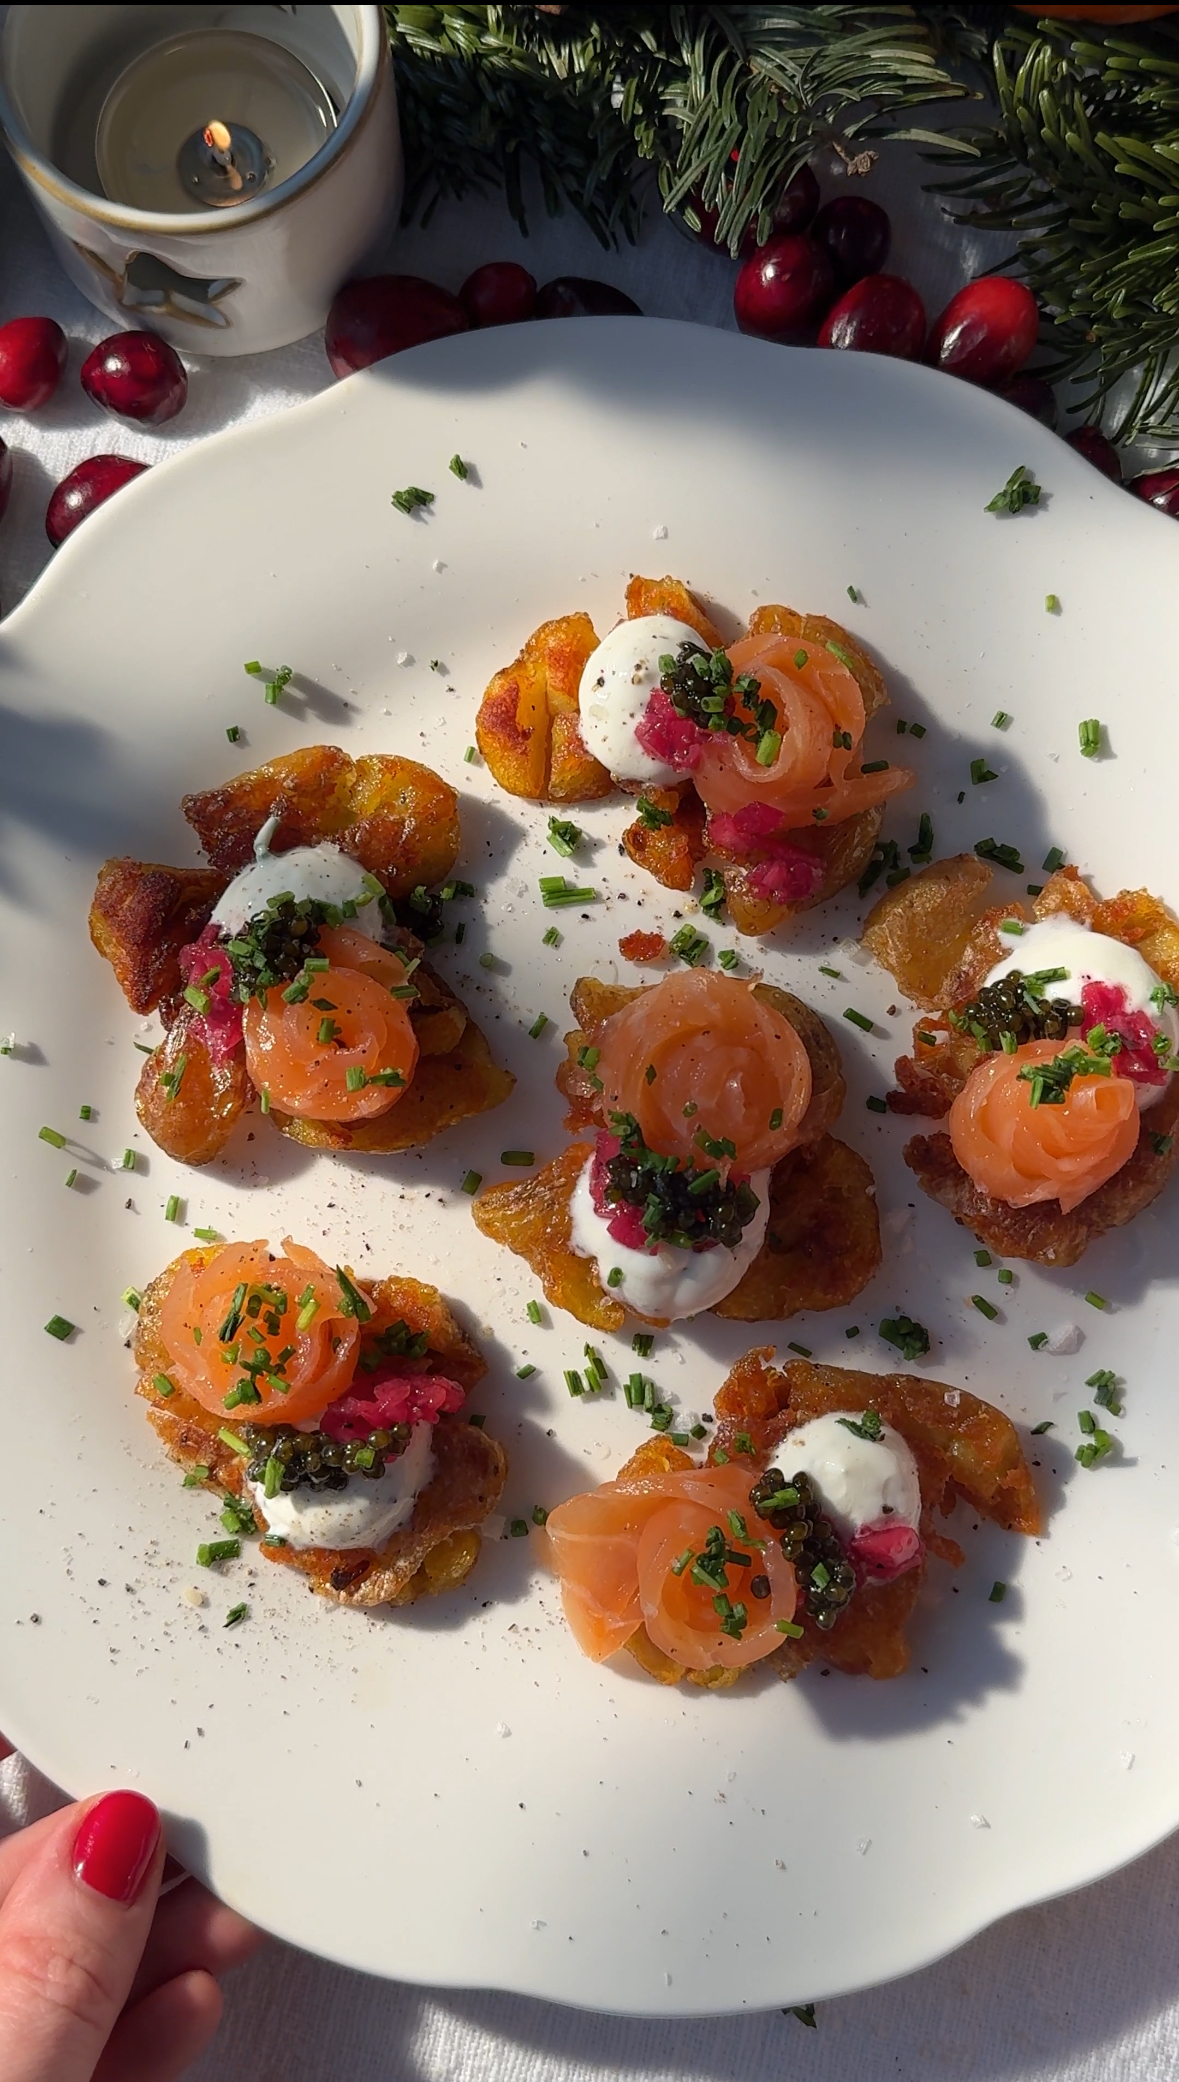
{"x": 217, "y": 137}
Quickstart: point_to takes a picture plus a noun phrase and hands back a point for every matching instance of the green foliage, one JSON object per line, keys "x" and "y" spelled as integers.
{"x": 588, "y": 95}
{"x": 1084, "y": 163}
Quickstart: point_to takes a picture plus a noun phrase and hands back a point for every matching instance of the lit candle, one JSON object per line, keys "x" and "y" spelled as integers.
{"x": 209, "y": 119}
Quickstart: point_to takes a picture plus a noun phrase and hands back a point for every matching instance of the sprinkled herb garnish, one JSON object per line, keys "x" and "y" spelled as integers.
{"x": 538, "y": 1026}
{"x": 1005, "y": 1277}
{"x": 689, "y": 946}
{"x": 563, "y": 836}
{"x": 413, "y": 496}
{"x": 980, "y": 772}
{"x": 1038, "y": 1430}
{"x": 1050, "y": 1081}
{"x": 1004, "y": 856}
{"x": 923, "y": 850}
{"x": 875, "y": 1104}
{"x": 574, "y": 1382}
{"x": 1051, "y": 603}
{"x": 51, "y": 1136}
{"x": 825, "y": 969}
{"x": 458, "y": 468}
{"x": 236, "y": 1614}
{"x": 352, "y": 1301}
{"x": 651, "y": 816}
{"x": 1105, "y": 1386}
{"x": 521, "y": 1157}
{"x": 869, "y": 1426}
{"x": 1000, "y": 719}
{"x": 996, "y": 1594}
{"x": 212, "y": 1551}
{"x": 532, "y": 1311}
{"x": 1096, "y": 1300}
{"x": 642, "y": 1343}
{"x": 1038, "y": 1340}
{"x": 910, "y": 1338}
{"x": 273, "y": 683}
{"x": 172, "y": 1208}
{"x": 1161, "y": 1144}
{"x": 525, "y": 1373}
{"x": 1096, "y": 1444}
{"x": 728, "y": 958}
{"x": 712, "y": 903}
{"x": 985, "y": 1308}
{"x": 1019, "y": 491}
{"x": 60, "y": 1327}
{"x": 1089, "y": 736}
{"x": 556, "y": 893}
{"x": 700, "y": 686}
{"x": 804, "y": 1351}
{"x": 682, "y": 1204}
{"x": 858, "y": 1019}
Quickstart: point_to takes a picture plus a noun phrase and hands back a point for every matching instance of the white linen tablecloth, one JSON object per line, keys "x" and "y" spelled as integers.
{"x": 1081, "y": 1990}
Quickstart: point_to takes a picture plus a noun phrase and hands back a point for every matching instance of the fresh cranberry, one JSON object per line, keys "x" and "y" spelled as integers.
{"x": 1032, "y": 395}
{"x": 579, "y": 296}
{"x": 855, "y": 234}
{"x": 87, "y": 486}
{"x": 986, "y": 332}
{"x": 32, "y": 359}
{"x": 1159, "y": 488}
{"x": 783, "y": 289}
{"x": 5, "y": 477}
{"x": 793, "y": 212}
{"x": 879, "y": 315}
{"x": 137, "y": 376}
{"x": 500, "y": 293}
{"x": 1096, "y": 449}
{"x": 382, "y": 315}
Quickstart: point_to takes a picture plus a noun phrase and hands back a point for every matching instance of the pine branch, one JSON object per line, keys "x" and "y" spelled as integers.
{"x": 590, "y": 95}
{"x": 1084, "y": 164}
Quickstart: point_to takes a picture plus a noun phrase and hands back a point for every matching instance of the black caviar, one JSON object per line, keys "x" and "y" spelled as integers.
{"x": 275, "y": 947}
{"x": 1019, "y": 1007}
{"x": 826, "y": 1578}
{"x": 683, "y": 1204}
{"x": 283, "y": 1459}
{"x": 700, "y": 686}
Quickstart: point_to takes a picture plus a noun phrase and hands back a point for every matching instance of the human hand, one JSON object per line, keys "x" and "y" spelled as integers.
{"x": 100, "y": 1980}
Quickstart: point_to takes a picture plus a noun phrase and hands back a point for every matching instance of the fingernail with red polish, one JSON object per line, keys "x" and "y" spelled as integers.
{"x": 115, "y": 1845}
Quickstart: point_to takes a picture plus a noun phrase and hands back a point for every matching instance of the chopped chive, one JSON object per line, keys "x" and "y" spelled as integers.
{"x": 533, "y": 1312}
{"x": 799, "y": 660}
{"x": 355, "y": 1077}
{"x": 71, "y": 1176}
{"x": 85, "y": 1113}
{"x": 1000, "y": 719}
{"x": 997, "y": 1593}
{"x": 234, "y": 1441}
{"x": 163, "y": 1386}
{"x": 858, "y": 1019}
{"x": 518, "y": 1529}
{"x": 875, "y": 1105}
{"x": 793, "y": 1633}
{"x": 901, "y": 728}
{"x": 236, "y": 1614}
{"x": 852, "y": 593}
{"x": 470, "y": 756}
{"x": 472, "y": 1182}
{"x": 559, "y": 894}
{"x": 211, "y": 1551}
{"x": 984, "y": 1307}
{"x": 233, "y": 733}
{"x": 775, "y": 1119}
{"x": 552, "y": 938}
{"x": 197, "y": 1474}
{"x": 825, "y": 969}
{"x": 916, "y": 730}
{"x": 60, "y": 1327}
{"x": 1051, "y": 603}
{"x": 264, "y": 1100}
{"x": 412, "y": 496}
{"x": 172, "y": 1208}
{"x": 489, "y": 961}
{"x": 574, "y": 1382}
{"x": 1038, "y": 1430}
{"x": 1089, "y": 736}
{"x": 689, "y": 946}
{"x": 614, "y": 1276}
{"x": 728, "y": 957}
{"x": 983, "y": 1258}
{"x": 51, "y": 1136}
{"x": 1005, "y": 1277}
{"x": 1038, "y": 1339}
{"x": 1035, "y": 888}
{"x": 1161, "y": 1144}
{"x": 804, "y": 1351}
{"x": 131, "y": 1298}
{"x": 539, "y": 1515}
{"x": 875, "y": 766}
{"x": 458, "y": 468}
{"x": 642, "y": 1343}
{"x": 538, "y": 1026}
{"x": 980, "y": 772}
{"x": 521, "y": 1157}
{"x": 1053, "y": 860}
{"x": 525, "y": 1373}
{"x": 563, "y": 836}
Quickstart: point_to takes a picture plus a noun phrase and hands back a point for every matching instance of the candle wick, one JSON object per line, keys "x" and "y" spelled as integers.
{"x": 220, "y": 144}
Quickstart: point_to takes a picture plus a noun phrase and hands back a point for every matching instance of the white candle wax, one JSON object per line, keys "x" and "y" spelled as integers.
{"x": 174, "y": 90}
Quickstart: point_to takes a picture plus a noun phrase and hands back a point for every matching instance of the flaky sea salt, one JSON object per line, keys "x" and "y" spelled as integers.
{"x": 979, "y": 1822}
{"x": 659, "y": 534}
{"x": 1067, "y": 1337}
{"x": 193, "y": 1596}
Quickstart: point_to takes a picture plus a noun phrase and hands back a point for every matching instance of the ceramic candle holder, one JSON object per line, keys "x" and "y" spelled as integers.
{"x": 255, "y": 237}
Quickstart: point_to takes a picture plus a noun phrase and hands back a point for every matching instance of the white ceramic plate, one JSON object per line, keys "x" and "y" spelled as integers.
{"x": 454, "y": 1795}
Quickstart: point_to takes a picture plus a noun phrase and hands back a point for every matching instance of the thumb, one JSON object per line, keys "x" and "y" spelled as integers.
{"x": 72, "y": 1930}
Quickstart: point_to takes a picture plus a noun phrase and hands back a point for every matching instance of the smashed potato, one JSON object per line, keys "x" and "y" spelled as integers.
{"x": 396, "y": 817}
{"x": 528, "y": 727}
{"x": 822, "y": 1244}
{"x": 938, "y": 936}
{"x": 188, "y": 1103}
{"x": 965, "y": 1449}
{"x": 440, "y": 1545}
{"x": 670, "y": 596}
{"x": 670, "y": 852}
{"x": 142, "y": 915}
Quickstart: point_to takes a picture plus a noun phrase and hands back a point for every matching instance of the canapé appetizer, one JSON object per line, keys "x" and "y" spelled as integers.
{"x": 1049, "y": 1044}
{"x": 805, "y": 1533}
{"x": 289, "y": 972}
{"x": 704, "y": 1175}
{"x": 328, "y": 1408}
{"x": 750, "y": 758}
